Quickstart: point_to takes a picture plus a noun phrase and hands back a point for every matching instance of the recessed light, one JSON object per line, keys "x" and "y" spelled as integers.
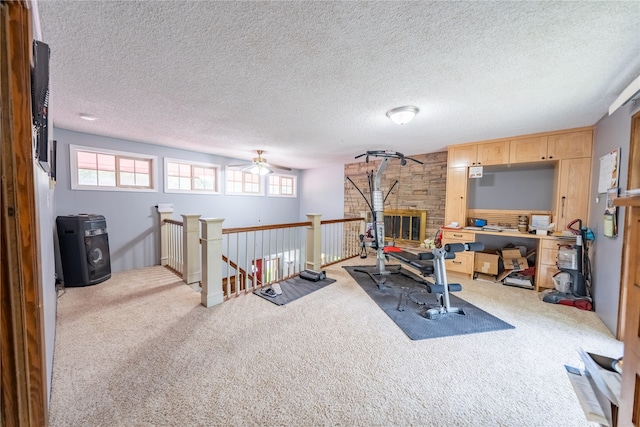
{"x": 88, "y": 117}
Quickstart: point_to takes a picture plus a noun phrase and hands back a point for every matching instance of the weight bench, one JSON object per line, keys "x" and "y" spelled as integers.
{"x": 441, "y": 288}
{"x": 424, "y": 265}
{"x": 433, "y": 264}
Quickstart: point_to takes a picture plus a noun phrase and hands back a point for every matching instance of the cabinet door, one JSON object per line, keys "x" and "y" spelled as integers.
{"x": 462, "y": 155}
{"x": 528, "y": 150}
{"x": 573, "y": 191}
{"x": 544, "y": 274}
{"x": 493, "y": 153}
{"x": 456, "y": 196}
{"x": 571, "y": 145}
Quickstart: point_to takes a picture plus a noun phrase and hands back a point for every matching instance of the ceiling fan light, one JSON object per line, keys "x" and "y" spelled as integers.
{"x": 259, "y": 170}
{"x": 402, "y": 115}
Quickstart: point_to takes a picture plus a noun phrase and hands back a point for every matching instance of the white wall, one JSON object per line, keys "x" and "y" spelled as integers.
{"x": 132, "y": 219}
{"x": 45, "y": 216}
{"x": 606, "y": 253}
{"x": 322, "y": 191}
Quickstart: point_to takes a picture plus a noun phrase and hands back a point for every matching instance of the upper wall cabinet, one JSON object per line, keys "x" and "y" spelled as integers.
{"x": 462, "y": 155}
{"x": 490, "y": 153}
{"x": 528, "y": 150}
{"x": 573, "y": 145}
{"x": 493, "y": 153}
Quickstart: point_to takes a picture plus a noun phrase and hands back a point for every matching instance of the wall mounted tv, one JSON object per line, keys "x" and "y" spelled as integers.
{"x": 40, "y": 100}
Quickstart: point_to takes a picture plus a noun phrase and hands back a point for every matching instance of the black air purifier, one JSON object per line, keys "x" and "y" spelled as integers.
{"x": 84, "y": 249}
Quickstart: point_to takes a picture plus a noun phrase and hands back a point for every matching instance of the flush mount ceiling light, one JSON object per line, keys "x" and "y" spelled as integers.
{"x": 88, "y": 117}
{"x": 402, "y": 115}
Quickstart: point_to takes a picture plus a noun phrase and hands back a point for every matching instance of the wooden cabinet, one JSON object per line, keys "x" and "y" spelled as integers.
{"x": 493, "y": 153}
{"x": 570, "y": 145}
{"x": 629, "y": 411}
{"x": 456, "y": 196}
{"x": 490, "y": 153}
{"x": 462, "y": 155}
{"x": 463, "y": 262}
{"x": 572, "y": 201}
{"x": 528, "y": 150}
{"x": 547, "y": 261}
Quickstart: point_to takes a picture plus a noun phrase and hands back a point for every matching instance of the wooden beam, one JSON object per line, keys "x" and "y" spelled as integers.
{"x": 23, "y": 375}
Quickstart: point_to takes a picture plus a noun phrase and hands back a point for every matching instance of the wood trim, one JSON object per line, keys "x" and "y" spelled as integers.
{"x": 633, "y": 181}
{"x": 265, "y": 227}
{"x": 532, "y": 135}
{"x": 23, "y": 376}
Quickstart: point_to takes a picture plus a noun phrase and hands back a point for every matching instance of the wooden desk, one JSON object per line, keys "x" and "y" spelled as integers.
{"x": 546, "y": 252}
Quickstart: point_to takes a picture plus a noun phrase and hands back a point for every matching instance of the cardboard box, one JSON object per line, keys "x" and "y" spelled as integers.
{"x": 513, "y": 260}
{"x": 486, "y": 263}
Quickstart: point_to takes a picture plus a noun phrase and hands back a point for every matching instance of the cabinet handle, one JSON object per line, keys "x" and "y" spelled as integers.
{"x": 563, "y": 200}
{"x": 543, "y": 158}
{"x": 457, "y": 262}
{"x": 551, "y": 157}
{"x": 457, "y": 235}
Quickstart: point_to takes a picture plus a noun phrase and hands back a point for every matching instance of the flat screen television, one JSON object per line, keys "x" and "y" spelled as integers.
{"x": 40, "y": 100}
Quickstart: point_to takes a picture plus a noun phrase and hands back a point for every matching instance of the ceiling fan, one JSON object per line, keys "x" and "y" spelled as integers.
{"x": 259, "y": 165}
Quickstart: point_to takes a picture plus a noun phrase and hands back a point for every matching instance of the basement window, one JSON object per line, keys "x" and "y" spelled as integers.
{"x": 181, "y": 176}
{"x": 282, "y": 185}
{"x": 100, "y": 169}
{"x": 239, "y": 182}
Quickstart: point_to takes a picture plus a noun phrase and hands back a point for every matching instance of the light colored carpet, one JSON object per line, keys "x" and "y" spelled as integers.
{"x": 140, "y": 350}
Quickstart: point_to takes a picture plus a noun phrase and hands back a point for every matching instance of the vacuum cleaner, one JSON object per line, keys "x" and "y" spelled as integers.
{"x": 576, "y": 280}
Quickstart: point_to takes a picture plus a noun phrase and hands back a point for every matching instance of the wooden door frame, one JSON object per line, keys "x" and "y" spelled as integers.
{"x": 633, "y": 182}
{"x": 23, "y": 380}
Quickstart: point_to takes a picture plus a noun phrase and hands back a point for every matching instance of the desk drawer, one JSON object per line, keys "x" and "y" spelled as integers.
{"x": 463, "y": 263}
{"x": 457, "y": 236}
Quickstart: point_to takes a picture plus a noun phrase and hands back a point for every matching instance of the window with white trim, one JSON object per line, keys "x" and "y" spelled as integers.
{"x": 181, "y": 176}
{"x": 100, "y": 169}
{"x": 243, "y": 182}
{"x": 282, "y": 185}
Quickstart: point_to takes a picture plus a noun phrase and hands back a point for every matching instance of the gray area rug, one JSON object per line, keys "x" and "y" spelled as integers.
{"x": 404, "y": 298}
{"x": 294, "y": 288}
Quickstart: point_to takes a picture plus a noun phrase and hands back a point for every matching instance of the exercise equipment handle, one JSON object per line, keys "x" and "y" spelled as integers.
{"x": 460, "y": 247}
{"x": 474, "y": 246}
{"x": 454, "y": 247}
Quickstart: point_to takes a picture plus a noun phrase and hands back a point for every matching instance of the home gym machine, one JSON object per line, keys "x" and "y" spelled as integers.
{"x": 376, "y": 206}
{"x": 441, "y": 287}
{"x": 428, "y": 263}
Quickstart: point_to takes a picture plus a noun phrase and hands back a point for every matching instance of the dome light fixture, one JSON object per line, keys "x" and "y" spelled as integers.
{"x": 402, "y": 115}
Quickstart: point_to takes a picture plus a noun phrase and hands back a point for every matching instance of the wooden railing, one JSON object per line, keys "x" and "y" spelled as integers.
{"x": 233, "y": 261}
{"x": 263, "y": 254}
{"x": 340, "y": 239}
{"x": 175, "y": 249}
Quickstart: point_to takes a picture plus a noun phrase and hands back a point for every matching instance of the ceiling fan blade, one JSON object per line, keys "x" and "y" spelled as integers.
{"x": 284, "y": 168}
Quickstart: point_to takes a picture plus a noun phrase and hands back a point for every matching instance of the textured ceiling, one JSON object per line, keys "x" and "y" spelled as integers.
{"x": 310, "y": 82}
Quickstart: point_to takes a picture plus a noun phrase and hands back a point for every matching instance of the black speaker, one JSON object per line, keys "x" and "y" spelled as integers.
{"x": 84, "y": 249}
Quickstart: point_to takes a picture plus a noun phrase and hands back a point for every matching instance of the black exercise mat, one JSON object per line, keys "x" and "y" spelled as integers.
{"x": 294, "y": 288}
{"x": 403, "y": 290}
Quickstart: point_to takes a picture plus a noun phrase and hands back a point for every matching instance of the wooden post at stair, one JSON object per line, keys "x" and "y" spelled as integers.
{"x": 191, "y": 249}
{"x": 166, "y": 212}
{"x": 211, "y": 293}
{"x": 314, "y": 243}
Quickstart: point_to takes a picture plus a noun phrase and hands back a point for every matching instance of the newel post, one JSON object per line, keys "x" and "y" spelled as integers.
{"x": 211, "y": 293}
{"x": 314, "y": 243}
{"x": 190, "y": 249}
{"x": 166, "y": 212}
